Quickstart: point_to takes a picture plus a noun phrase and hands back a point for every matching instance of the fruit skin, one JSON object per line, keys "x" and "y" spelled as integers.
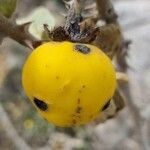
{"x": 72, "y": 82}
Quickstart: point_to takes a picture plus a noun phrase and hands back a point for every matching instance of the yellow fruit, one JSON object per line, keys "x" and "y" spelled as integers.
{"x": 69, "y": 83}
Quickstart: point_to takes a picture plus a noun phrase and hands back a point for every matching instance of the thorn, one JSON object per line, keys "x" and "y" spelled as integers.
{"x": 24, "y": 27}
{"x": 118, "y": 100}
{"x": 29, "y": 44}
{"x": 122, "y": 77}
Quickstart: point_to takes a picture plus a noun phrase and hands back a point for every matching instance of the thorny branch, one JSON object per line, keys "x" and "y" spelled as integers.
{"x": 107, "y": 13}
{"x": 16, "y": 32}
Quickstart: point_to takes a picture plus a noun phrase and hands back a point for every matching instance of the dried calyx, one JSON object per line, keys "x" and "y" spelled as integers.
{"x": 76, "y": 28}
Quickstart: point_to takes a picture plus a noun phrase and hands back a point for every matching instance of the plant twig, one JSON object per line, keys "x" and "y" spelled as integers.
{"x": 16, "y": 32}
{"x": 108, "y": 14}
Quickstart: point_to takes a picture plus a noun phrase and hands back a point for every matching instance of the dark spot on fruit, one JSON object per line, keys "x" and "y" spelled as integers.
{"x": 106, "y": 106}
{"x": 82, "y": 48}
{"x": 78, "y": 109}
{"x": 40, "y": 104}
{"x": 74, "y": 121}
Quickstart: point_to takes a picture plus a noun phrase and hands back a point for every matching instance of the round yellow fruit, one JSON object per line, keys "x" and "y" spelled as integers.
{"x": 69, "y": 83}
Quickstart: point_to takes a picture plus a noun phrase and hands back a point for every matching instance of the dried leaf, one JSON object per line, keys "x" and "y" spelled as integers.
{"x": 118, "y": 100}
{"x": 58, "y": 34}
{"x": 109, "y": 39}
{"x": 122, "y": 77}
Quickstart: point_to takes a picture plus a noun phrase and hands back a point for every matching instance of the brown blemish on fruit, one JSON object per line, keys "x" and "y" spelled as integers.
{"x": 83, "y": 86}
{"x": 74, "y": 122}
{"x": 46, "y": 66}
{"x": 78, "y": 109}
{"x": 91, "y": 116}
{"x": 65, "y": 86}
{"x": 57, "y": 77}
{"x": 78, "y": 101}
{"x": 76, "y": 115}
{"x": 82, "y": 48}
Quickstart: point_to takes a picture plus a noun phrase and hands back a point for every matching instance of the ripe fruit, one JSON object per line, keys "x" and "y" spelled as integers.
{"x": 69, "y": 83}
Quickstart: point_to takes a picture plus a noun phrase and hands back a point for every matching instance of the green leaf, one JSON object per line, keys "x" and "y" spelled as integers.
{"x": 7, "y": 7}
{"x": 38, "y": 17}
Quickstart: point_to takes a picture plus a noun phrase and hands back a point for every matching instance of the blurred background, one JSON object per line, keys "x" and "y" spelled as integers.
{"x": 22, "y": 128}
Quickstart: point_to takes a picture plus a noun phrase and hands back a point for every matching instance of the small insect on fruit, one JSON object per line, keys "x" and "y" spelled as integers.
{"x": 69, "y": 83}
